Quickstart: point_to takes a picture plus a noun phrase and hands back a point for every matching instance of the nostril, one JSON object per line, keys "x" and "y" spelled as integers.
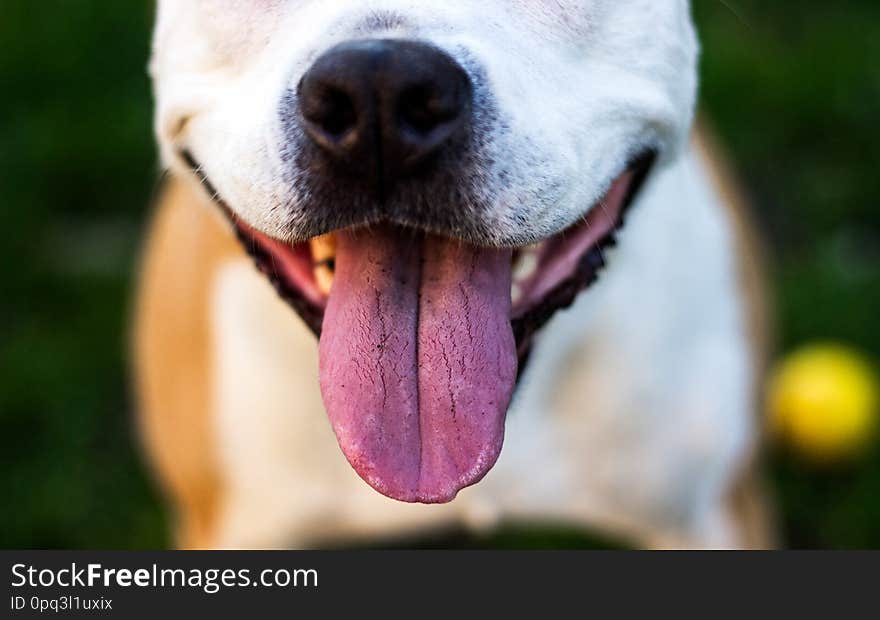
{"x": 330, "y": 111}
{"x": 422, "y": 108}
{"x": 339, "y": 115}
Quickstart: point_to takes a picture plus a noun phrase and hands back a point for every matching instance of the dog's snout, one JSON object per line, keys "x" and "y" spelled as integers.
{"x": 384, "y": 108}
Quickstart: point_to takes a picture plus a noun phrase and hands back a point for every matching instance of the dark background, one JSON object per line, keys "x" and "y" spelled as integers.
{"x": 791, "y": 86}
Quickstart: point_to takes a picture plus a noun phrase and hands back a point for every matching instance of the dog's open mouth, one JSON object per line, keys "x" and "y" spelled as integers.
{"x": 422, "y": 337}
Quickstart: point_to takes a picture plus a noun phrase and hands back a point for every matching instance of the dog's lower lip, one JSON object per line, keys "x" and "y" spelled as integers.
{"x": 309, "y": 301}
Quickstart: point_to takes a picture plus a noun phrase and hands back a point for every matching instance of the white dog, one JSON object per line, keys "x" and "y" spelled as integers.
{"x": 432, "y": 186}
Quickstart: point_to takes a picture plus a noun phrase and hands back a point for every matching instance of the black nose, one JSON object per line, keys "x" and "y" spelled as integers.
{"x": 384, "y": 108}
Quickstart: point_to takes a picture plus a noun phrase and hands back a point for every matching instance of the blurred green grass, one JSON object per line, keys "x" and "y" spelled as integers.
{"x": 792, "y": 87}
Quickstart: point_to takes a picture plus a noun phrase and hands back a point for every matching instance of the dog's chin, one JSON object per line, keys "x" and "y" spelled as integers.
{"x": 423, "y": 337}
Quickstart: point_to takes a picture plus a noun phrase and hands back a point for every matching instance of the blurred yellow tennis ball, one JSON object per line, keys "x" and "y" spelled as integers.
{"x": 823, "y": 401}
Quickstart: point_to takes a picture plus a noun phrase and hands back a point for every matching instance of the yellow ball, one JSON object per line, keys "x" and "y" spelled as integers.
{"x": 823, "y": 401}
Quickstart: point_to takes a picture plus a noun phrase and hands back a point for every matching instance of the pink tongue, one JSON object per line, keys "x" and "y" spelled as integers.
{"x": 418, "y": 361}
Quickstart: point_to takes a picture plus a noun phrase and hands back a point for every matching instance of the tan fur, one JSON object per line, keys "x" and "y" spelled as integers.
{"x": 749, "y": 500}
{"x": 187, "y": 244}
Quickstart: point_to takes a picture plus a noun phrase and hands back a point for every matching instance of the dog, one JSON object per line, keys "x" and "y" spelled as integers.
{"x": 496, "y": 219}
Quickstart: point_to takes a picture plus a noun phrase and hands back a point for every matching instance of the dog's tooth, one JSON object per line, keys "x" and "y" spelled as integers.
{"x": 323, "y": 252}
{"x": 516, "y": 293}
{"x": 324, "y": 278}
{"x": 525, "y": 267}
